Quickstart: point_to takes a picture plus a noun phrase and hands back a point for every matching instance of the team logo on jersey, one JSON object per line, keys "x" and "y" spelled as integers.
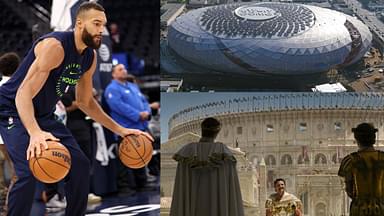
{"x": 69, "y": 77}
{"x": 10, "y": 123}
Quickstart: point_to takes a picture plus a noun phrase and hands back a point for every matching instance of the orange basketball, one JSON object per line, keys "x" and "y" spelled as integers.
{"x": 52, "y": 165}
{"x": 135, "y": 151}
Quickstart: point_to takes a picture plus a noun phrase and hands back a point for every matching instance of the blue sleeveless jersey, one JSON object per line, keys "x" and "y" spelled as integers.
{"x": 59, "y": 79}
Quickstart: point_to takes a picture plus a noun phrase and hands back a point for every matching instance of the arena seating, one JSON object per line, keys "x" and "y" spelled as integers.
{"x": 139, "y": 21}
{"x": 14, "y": 34}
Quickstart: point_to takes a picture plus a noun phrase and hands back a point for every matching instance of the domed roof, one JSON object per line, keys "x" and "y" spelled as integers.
{"x": 269, "y": 37}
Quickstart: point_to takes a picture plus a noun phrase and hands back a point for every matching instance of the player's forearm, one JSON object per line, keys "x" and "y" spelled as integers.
{"x": 24, "y": 106}
{"x": 93, "y": 110}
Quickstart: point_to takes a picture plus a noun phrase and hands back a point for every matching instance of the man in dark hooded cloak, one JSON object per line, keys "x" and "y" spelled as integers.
{"x": 206, "y": 182}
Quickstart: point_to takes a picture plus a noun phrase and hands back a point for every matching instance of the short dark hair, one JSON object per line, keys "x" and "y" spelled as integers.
{"x": 277, "y": 180}
{"x": 9, "y": 63}
{"x": 115, "y": 66}
{"x": 86, "y": 6}
{"x": 210, "y": 127}
{"x": 365, "y": 134}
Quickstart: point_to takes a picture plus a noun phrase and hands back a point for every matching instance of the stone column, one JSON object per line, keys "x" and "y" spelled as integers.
{"x": 263, "y": 185}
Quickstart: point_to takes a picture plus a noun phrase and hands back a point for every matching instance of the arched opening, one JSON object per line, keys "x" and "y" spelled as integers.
{"x": 302, "y": 160}
{"x": 286, "y": 160}
{"x": 320, "y": 209}
{"x": 320, "y": 159}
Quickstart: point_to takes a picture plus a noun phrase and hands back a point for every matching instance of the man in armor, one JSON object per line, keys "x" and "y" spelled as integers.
{"x": 282, "y": 203}
{"x": 363, "y": 172}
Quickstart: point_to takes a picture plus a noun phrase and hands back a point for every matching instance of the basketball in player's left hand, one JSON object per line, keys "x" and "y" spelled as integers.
{"x": 135, "y": 151}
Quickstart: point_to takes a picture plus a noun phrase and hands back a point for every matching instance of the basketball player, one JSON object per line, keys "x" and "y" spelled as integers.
{"x": 55, "y": 62}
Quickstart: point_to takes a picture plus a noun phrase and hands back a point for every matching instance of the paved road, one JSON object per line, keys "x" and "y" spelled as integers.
{"x": 368, "y": 17}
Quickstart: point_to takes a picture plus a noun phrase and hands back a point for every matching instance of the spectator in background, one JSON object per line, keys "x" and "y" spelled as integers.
{"x": 116, "y": 38}
{"x": 8, "y": 65}
{"x": 154, "y": 129}
{"x": 77, "y": 123}
{"x": 127, "y": 104}
{"x": 80, "y": 126}
{"x": 129, "y": 107}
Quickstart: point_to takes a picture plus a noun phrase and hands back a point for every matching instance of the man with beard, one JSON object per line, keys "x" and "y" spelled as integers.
{"x": 56, "y": 61}
{"x": 282, "y": 203}
{"x": 130, "y": 108}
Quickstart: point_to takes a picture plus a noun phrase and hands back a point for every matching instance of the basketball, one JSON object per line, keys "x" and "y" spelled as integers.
{"x": 52, "y": 165}
{"x": 135, "y": 151}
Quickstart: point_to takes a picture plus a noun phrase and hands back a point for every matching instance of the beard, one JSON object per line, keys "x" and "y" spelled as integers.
{"x": 88, "y": 39}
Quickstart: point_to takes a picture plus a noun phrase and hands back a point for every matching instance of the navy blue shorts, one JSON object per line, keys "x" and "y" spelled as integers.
{"x": 21, "y": 195}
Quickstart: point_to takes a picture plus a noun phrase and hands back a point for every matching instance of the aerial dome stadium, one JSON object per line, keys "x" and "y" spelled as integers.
{"x": 269, "y": 38}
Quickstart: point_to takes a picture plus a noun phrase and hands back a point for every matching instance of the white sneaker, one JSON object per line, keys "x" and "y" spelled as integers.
{"x": 55, "y": 202}
{"x": 92, "y": 198}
